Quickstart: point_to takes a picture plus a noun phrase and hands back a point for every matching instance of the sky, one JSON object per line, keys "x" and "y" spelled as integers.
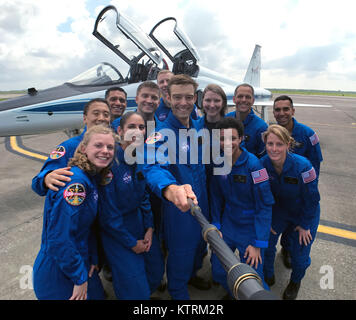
{"x": 306, "y": 44}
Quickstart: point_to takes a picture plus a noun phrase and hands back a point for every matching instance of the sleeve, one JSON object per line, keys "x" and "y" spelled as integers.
{"x": 216, "y": 201}
{"x": 263, "y": 204}
{"x": 260, "y": 145}
{"x": 310, "y": 197}
{"x": 58, "y": 158}
{"x": 63, "y": 225}
{"x": 156, "y": 168}
{"x": 146, "y": 211}
{"x": 111, "y": 219}
{"x": 314, "y": 152}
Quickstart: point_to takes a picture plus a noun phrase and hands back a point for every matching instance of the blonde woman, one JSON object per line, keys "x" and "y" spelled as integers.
{"x": 294, "y": 185}
{"x": 65, "y": 267}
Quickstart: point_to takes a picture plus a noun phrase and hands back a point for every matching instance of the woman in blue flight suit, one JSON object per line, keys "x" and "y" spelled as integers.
{"x": 126, "y": 223}
{"x": 294, "y": 185}
{"x": 65, "y": 265}
{"x": 214, "y": 105}
{"x": 240, "y": 202}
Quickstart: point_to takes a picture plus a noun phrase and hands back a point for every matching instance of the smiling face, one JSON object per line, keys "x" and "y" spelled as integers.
{"x": 230, "y": 142}
{"x": 182, "y": 99}
{"x": 133, "y": 131}
{"x": 276, "y": 148}
{"x": 283, "y": 112}
{"x": 97, "y": 113}
{"x": 244, "y": 99}
{"x": 117, "y": 102}
{"x": 100, "y": 149}
{"x": 212, "y": 104}
{"x": 147, "y": 101}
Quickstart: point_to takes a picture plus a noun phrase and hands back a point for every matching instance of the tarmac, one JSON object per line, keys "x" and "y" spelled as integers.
{"x": 330, "y": 276}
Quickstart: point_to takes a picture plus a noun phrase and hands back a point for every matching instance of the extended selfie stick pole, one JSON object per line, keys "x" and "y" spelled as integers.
{"x": 243, "y": 280}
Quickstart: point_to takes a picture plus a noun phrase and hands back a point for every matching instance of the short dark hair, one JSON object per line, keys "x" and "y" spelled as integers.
{"x": 245, "y": 85}
{"x": 107, "y": 92}
{"x": 231, "y": 123}
{"x": 88, "y": 104}
{"x": 283, "y": 97}
{"x": 147, "y": 84}
{"x": 181, "y": 79}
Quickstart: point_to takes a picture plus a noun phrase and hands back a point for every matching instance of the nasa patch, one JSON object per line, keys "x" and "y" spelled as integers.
{"x": 75, "y": 194}
{"x": 153, "y": 138}
{"x": 127, "y": 177}
{"x": 57, "y": 153}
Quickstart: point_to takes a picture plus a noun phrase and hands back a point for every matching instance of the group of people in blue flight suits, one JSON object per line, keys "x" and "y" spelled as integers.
{"x": 104, "y": 207}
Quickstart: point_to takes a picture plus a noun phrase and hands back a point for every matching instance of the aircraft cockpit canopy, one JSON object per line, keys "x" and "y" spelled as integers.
{"x": 129, "y": 42}
{"x": 181, "y": 52}
{"x": 102, "y": 74}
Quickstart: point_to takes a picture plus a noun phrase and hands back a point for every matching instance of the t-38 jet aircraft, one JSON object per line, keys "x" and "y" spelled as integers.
{"x": 61, "y": 107}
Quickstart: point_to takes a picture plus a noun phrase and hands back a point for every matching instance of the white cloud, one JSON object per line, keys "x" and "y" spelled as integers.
{"x": 305, "y": 43}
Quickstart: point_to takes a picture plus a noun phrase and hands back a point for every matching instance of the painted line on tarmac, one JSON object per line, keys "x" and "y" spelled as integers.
{"x": 337, "y": 232}
{"x": 14, "y": 145}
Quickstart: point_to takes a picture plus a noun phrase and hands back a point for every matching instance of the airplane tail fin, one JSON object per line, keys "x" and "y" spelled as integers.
{"x": 252, "y": 75}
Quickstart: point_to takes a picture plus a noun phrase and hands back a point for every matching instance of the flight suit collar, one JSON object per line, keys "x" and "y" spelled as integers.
{"x": 175, "y": 123}
{"x": 242, "y": 158}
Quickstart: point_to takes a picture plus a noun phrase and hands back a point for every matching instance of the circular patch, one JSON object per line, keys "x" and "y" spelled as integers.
{"x": 153, "y": 138}
{"x": 57, "y": 153}
{"x": 75, "y": 194}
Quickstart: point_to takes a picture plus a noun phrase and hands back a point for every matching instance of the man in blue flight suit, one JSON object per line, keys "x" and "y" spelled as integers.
{"x": 307, "y": 145}
{"x": 175, "y": 181}
{"x": 117, "y": 100}
{"x": 164, "y": 108}
{"x": 254, "y": 126}
{"x": 55, "y": 171}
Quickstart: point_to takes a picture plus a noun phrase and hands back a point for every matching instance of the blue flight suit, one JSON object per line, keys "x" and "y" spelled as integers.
{"x": 297, "y": 198}
{"x": 254, "y": 126}
{"x": 58, "y": 158}
{"x": 307, "y": 144}
{"x": 241, "y": 207}
{"x": 68, "y": 246}
{"x": 163, "y": 111}
{"x": 115, "y": 124}
{"x": 181, "y": 231}
{"x": 124, "y": 216}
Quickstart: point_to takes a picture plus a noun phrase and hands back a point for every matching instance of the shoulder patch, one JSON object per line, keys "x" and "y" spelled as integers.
{"x": 314, "y": 139}
{"x": 75, "y": 194}
{"x": 57, "y": 153}
{"x": 309, "y": 176}
{"x": 154, "y": 137}
{"x": 259, "y": 176}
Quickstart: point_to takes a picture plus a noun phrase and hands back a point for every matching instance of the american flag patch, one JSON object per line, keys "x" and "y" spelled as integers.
{"x": 314, "y": 139}
{"x": 259, "y": 176}
{"x": 309, "y": 176}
